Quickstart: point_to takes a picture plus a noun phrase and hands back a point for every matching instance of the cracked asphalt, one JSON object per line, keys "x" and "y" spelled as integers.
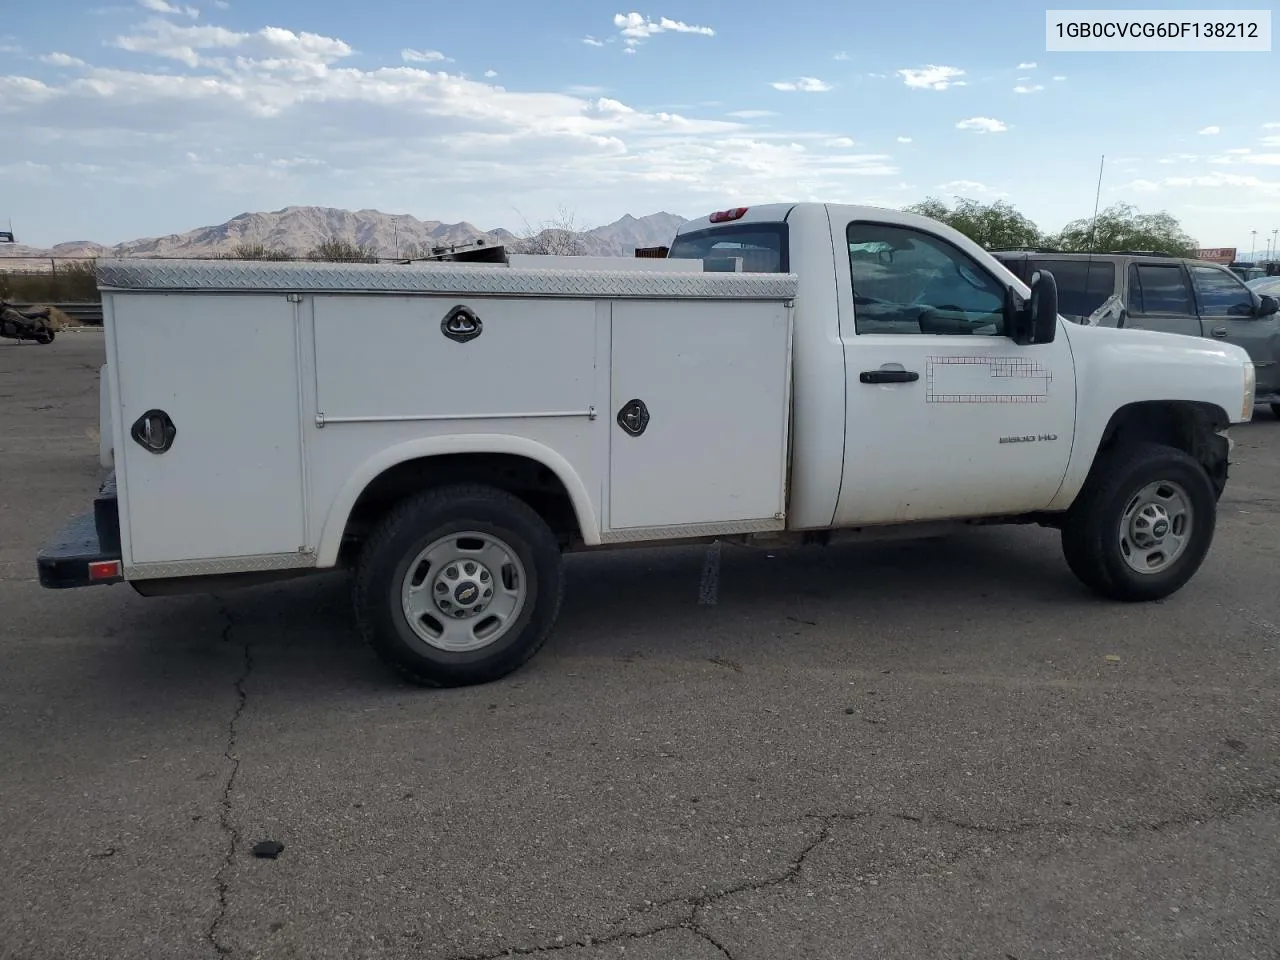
{"x": 935, "y": 749}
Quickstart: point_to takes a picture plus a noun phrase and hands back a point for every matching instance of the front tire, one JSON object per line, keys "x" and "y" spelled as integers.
{"x": 1142, "y": 525}
{"x": 458, "y": 586}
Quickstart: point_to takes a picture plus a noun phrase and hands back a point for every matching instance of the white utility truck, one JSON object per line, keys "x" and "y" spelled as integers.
{"x": 790, "y": 372}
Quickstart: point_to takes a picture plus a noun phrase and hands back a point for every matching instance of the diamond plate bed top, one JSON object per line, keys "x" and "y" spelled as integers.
{"x": 225, "y": 276}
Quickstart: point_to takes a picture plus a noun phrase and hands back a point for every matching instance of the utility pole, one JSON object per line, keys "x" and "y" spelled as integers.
{"x": 1253, "y": 244}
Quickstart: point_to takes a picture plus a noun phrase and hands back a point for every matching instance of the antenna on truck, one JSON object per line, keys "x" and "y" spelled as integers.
{"x": 1093, "y": 228}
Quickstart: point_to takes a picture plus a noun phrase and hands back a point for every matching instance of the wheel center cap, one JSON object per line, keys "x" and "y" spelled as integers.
{"x": 466, "y": 593}
{"x": 1160, "y": 528}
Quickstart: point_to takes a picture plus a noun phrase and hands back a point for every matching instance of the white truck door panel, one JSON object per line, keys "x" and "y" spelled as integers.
{"x": 960, "y": 423}
{"x": 714, "y": 380}
{"x": 225, "y": 370}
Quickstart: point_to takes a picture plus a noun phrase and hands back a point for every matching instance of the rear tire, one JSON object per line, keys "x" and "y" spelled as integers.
{"x": 1275, "y": 410}
{"x": 1142, "y": 525}
{"x": 458, "y": 586}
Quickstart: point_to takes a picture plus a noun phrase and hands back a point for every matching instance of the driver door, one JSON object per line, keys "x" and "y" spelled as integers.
{"x": 946, "y": 417}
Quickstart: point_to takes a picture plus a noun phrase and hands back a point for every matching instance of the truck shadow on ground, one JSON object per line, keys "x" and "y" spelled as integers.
{"x": 655, "y": 603}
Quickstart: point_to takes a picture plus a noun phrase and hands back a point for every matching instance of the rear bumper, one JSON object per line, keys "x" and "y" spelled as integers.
{"x": 86, "y": 550}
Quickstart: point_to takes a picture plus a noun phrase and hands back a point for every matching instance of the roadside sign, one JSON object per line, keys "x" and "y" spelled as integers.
{"x": 1217, "y": 254}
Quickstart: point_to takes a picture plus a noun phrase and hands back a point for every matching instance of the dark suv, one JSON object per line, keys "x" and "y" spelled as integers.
{"x": 1169, "y": 294}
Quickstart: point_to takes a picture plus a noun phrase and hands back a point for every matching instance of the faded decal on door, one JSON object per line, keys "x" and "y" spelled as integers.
{"x": 969, "y": 379}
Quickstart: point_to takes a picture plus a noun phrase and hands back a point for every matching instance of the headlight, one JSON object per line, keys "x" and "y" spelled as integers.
{"x": 1250, "y": 386}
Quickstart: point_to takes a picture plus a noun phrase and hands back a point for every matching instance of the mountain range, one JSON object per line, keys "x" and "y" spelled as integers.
{"x": 297, "y": 230}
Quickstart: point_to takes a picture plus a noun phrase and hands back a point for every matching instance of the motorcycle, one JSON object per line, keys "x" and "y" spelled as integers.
{"x": 33, "y": 325}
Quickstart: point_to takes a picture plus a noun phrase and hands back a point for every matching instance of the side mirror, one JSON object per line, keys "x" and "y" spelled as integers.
{"x": 1267, "y": 306}
{"x": 1037, "y": 320}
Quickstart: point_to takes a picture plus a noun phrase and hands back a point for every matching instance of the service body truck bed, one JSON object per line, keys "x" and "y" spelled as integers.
{"x": 451, "y": 429}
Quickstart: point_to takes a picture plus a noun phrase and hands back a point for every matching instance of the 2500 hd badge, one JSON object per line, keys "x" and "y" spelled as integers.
{"x": 1029, "y": 438}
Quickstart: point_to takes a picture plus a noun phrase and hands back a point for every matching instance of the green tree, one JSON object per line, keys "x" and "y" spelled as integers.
{"x": 1122, "y": 227}
{"x": 994, "y": 226}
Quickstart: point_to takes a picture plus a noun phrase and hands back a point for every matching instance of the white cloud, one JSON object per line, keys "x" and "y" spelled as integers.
{"x": 1247, "y": 150}
{"x": 163, "y": 6}
{"x": 1229, "y": 180}
{"x": 409, "y": 55}
{"x": 635, "y": 28}
{"x": 964, "y": 187}
{"x": 1059, "y": 77}
{"x": 1209, "y": 131}
{"x": 1143, "y": 186}
{"x": 842, "y": 55}
{"x": 982, "y": 125}
{"x": 803, "y": 84}
{"x": 220, "y": 4}
{"x": 282, "y": 47}
{"x": 1026, "y": 66}
{"x": 904, "y": 139}
{"x": 1025, "y": 89}
{"x": 840, "y": 142}
{"x": 1271, "y": 126}
{"x": 269, "y": 113}
{"x": 490, "y": 74}
{"x": 1249, "y": 159}
{"x": 591, "y": 41}
{"x": 751, "y": 114}
{"x": 932, "y": 77}
{"x": 62, "y": 60}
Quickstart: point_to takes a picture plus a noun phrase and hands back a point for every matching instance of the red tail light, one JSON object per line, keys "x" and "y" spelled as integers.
{"x": 104, "y": 569}
{"x": 724, "y": 216}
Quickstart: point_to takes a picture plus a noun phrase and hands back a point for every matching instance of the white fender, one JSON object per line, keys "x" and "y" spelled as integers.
{"x": 340, "y": 510}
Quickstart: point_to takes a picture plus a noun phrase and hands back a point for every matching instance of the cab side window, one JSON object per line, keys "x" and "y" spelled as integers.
{"x": 907, "y": 281}
{"x": 1221, "y": 294}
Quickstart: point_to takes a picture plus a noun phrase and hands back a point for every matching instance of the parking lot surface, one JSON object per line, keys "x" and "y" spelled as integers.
{"x": 944, "y": 748}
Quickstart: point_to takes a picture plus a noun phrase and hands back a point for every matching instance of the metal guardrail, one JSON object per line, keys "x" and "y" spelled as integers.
{"x": 84, "y": 311}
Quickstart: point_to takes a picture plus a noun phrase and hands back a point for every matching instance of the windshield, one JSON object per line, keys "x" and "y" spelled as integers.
{"x": 762, "y": 248}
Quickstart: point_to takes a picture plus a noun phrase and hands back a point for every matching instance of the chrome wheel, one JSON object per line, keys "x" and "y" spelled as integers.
{"x": 1155, "y": 527}
{"x": 464, "y": 591}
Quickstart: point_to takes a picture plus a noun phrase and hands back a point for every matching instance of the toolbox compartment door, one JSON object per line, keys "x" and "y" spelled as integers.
{"x": 700, "y": 411}
{"x": 222, "y": 369}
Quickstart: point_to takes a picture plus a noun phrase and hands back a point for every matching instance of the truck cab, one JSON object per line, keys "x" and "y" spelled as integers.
{"x": 918, "y": 393}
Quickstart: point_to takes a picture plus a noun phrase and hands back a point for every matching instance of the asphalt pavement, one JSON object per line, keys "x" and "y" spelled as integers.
{"x": 944, "y": 748}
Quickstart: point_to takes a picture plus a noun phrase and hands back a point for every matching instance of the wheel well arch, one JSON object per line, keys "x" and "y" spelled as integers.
{"x": 535, "y": 474}
{"x": 1191, "y": 426}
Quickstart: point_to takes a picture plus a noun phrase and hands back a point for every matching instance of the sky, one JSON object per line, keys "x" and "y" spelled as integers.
{"x": 134, "y": 118}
